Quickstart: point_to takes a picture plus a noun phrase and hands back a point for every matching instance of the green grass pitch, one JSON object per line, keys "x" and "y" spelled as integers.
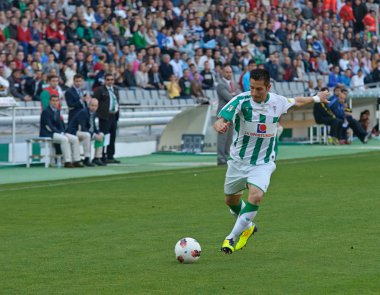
{"x": 318, "y": 233}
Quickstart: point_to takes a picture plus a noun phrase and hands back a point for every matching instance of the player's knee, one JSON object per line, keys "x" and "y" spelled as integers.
{"x": 255, "y": 197}
{"x": 232, "y": 200}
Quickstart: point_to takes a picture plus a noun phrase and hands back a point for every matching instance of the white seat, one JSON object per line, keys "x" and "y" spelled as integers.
{"x": 321, "y": 134}
{"x": 48, "y": 154}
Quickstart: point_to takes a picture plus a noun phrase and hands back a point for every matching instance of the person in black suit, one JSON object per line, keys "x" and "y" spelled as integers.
{"x": 75, "y": 97}
{"x": 129, "y": 79}
{"x": 84, "y": 127}
{"x": 166, "y": 69}
{"x": 108, "y": 113}
{"x": 155, "y": 77}
{"x": 33, "y": 85}
{"x": 51, "y": 125}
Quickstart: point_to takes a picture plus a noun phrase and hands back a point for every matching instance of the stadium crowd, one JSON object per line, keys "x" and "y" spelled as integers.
{"x": 182, "y": 45}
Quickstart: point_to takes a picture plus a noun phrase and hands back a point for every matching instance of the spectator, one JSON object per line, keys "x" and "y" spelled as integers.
{"x": 76, "y": 98}
{"x": 344, "y": 62}
{"x": 155, "y": 77}
{"x": 334, "y": 77}
{"x": 208, "y": 77}
{"x": 369, "y": 21}
{"x": 197, "y": 91}
{"x": 50, "y": 65}
{"x": 129, "y": 77}
{"x": 108, "y": 113}
{"x": 247, "y": 75}
{"x": 16, "y": 86}
{"x": 346, "y": 13}
{"x": 345, "y": 79}
{"x": 83, "y": 126}
{"x": 4, "y": 83}
{"x": 185, "y": 85}
{"x": 226, "y": 90}
{"x": 289, "y": 69}
{"x": 341, "y": 110}
{"x": 52, "y": 125}
{"x": 357, "y": 81}
{"x": 364, "y": 120}
{"x": 176, "y": 65}
{"x": 207, "y": 57}
{"x": 51, "y": 89}
{"x": 34, "y": 85}
{"x": 360, "y": 10}
{"x": 376, "y": 73}
{"x": 323, "y": 66}
{"x": 138, "y": 37}
{"x": 324, "y": 115}
{"x": 142, "y": 78}
{"x": 174, "y": 90}
{"x": 166, "y": 69}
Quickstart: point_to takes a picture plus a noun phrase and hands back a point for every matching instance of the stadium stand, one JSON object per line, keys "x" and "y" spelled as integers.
{"x": 93, "y": 37}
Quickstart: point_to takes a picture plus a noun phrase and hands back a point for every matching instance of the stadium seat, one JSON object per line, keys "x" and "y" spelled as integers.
{"x": 293, "y": 88}
{"x": 320, "y": 135}
{"x": 48, "y": 154}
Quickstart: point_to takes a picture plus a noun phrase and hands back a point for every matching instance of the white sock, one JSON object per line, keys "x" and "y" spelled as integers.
{"x": 243, "y": 222}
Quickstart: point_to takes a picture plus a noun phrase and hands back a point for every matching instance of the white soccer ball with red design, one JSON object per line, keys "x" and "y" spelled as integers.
{"x": 187, "y": 250}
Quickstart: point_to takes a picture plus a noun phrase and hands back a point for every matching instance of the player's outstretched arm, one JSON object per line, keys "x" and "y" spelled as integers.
{"x": 320, "y": 97}
{"x": 221, "y": 125}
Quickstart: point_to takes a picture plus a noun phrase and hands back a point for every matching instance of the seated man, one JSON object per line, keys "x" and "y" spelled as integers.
{"x": 339, "y": 107}
{"x": 324, "y": 115}
{"x": 51, "y": 125}
{"x": 83, "y": 126}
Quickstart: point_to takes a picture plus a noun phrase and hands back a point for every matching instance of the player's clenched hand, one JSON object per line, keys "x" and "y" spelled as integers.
{"x": 323, "y": 95}
{"x": 221, "y": 126}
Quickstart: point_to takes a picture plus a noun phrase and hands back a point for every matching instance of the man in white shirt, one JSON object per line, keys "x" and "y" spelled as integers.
{"x": 177, "y": 66}
{"x": 357, "y": 81}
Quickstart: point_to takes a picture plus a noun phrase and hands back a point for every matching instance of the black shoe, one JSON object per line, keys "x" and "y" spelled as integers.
{"x": 98, "y": 162}
{"x": 112, "y": 161}
{"x": 68, "y": 165}
{"x": 87, "y": 163}
{"x": 367, "y": 137}
{"x": 78, "y": 164}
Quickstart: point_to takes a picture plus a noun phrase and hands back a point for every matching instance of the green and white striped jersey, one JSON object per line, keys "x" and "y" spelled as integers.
{"x": 255, "y": 134}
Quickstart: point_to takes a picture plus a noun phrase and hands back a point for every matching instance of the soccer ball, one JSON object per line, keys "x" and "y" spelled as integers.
{"x": 187, "y": 250}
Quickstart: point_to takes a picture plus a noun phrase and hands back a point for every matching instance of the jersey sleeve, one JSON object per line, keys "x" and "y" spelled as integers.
{"x": 230, "y": 109}
{"x": 287, "y": 103}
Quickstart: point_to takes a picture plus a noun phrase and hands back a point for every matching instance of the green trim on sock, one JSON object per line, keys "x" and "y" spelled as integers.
{"x": 236, "y": 208}
{"x": 249, "y": 208}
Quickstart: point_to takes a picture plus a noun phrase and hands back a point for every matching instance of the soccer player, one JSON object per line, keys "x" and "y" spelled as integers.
{"x": 255, "y": 114}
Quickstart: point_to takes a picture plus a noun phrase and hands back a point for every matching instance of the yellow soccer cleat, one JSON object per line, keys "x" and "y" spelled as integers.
{"x": 245, "y": 235}
{"x": 228, "y": 246}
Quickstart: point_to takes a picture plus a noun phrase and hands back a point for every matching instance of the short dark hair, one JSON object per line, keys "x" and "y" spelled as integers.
{"x": 52, "y": 77}
{"x": 53, "y": 95}
{"x": 78, "y": 76}
{"x": 108, "y": 75}
{"x": 260, "y": 75}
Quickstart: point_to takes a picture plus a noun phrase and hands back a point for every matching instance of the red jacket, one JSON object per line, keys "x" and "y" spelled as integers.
{"x": 23, "y": 35}
{"x": 346, "y": 13}
{"x": 252, "y": 4}
{"x": 2, "y": 37}
{"x": 329, "y": 5}
{"x": 50, "y": 33}
{"x": 370, "y": 22}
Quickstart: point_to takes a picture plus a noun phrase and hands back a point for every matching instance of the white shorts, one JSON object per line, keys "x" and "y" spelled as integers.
{"x": 240, "y": 174}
